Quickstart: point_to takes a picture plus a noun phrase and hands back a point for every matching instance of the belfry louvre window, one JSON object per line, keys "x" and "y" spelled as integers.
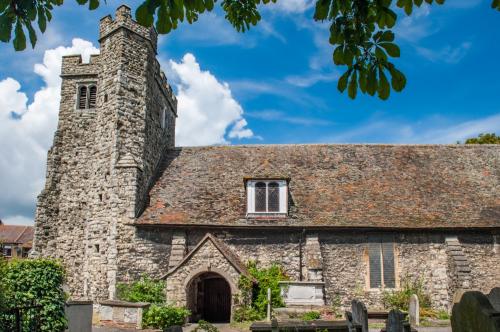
{"x": 87, "y": 96}
{"x": 92, "y": 96}
{"x": 267, "y": 197}
{"x": 82, "y": 97}
{"x": 381, "y": 263}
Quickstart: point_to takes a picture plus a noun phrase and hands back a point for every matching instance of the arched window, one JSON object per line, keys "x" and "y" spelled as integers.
{"x": 260, "y": 197}
{"x": 92, "y": 96}
{"x": 273, "y": 197}
{"x": 82, "y": 97}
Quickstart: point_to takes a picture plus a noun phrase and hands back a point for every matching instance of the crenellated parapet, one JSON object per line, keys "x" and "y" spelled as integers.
{"x": 123, "y": 20}
{"x": 72, "y": 65}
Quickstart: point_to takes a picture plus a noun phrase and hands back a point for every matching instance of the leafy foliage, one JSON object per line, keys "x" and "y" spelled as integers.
{"x": 311, "y": 315}
{"x": 400, "y": 299}
{"x": 360, "y": 30}
{"x": 3, "y": 287}
{"x": 163, "y": 316}
{"x": 36, "y": 282}
{"x": 143, "y": 290}
{"x": 485, "y": 138}
{"x": 158, "y": 315}
{"x": 254, "y": 295}
{"x": 206, "y": 327}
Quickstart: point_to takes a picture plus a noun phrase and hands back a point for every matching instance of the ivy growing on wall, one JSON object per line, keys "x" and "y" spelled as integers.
{"x": 253, "y": 291}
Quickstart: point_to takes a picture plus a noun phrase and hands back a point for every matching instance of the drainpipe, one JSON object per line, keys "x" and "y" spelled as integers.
{"x": 301, "y": 277}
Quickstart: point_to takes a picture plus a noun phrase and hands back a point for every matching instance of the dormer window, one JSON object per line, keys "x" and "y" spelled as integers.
{"x": 267, "y": 197}
{"x": 87, "y": 96}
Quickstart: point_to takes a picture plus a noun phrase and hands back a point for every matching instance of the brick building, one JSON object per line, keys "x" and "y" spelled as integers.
{"x": 344, "y": 221}
{"x": 15, "y": 241}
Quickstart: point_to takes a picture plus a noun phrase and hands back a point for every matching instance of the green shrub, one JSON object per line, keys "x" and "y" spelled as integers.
{"x": 206, "y": 327}
{"x": 143, "y": 290}
{"x": 3, "y": 286}
{"x": 400, "y": 299}
{"x": 36, "y": 282}
{"x": 163, "y": 316}
{"x": 311, "y": 315}
{"x": 254, "y": 296}
{"x": 245, "y": 314}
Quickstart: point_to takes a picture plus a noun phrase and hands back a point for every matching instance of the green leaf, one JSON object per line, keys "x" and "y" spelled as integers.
{"x": 371, "y": 82}
{"x": 342, "y": 83}
{"x": 143, "y": 15}
{"x": 5, "y": 28}
{"x": 19, "y": 39}
{"x": 32, "y": 34}
{"x": 338, "y": 55}
{"x": 380, "y": 54}
{"x": 93, "y": 4}
{"x": 352, "y": 90}
{"x": 391, "y": 49}
{"x": 81, "y": 2}
{"x": 3, "y": 5}
{"x": 495, "y": 4}
{"x": 398, "y": 79}
{"x": 383, "y": 85}
{"x": 387, "y": 36}
{"x": 42, "y": 22}
{"x": 321, "y": 11}
{"x": 362, "y": 79}
{"x": 163, "y": 23}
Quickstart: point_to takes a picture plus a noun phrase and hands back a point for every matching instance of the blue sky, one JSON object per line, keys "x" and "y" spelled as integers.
{"x": 273, "y": 84}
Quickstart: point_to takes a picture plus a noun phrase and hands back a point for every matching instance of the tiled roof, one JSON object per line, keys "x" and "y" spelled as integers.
{"x": 14, "y": 234}
{"x": 381, "y": 186}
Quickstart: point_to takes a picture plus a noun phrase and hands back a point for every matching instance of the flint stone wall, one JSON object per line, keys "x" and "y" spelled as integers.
{"x": 345, "y": 259}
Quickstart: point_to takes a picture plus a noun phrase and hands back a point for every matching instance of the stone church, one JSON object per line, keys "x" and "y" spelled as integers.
{"x": 344, "y": 220}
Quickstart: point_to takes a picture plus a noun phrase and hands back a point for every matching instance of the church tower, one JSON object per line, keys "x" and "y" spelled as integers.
{"x": 116, "y": 121}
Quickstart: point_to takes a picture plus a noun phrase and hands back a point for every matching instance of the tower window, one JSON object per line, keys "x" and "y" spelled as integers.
{"x": 92, "y": 96}
{"x": 87, "y": 96}
{"x": 82, "y": 97}
{"x": 267, "y": 197}
{"x": 163, "y": 118}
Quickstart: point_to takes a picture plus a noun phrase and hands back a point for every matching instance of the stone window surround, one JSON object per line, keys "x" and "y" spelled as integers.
{"x": 87, "y": 84}
{"x": 283, "y": 196}
{"x": 396, "y": 272}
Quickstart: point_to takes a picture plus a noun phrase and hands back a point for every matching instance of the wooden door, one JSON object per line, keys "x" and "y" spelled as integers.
{"x": 217, "y": 300}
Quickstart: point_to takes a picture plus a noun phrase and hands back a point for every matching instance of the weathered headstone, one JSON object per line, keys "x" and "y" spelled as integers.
{"x": 474, "y": 312}
{"x": 395, "y": 321}
{"x": 360, "y": 314}
{"x": 494, "y": 297}
{"x": 414, "y": 310}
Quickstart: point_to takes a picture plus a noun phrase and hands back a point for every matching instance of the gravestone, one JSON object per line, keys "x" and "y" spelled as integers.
{"x": 494, "y": 297}
{"x": 360, "y": 314}
{"x": 474, "y": 312}
{"x": 396, "y": 322}
{"x": 414, "y": 310}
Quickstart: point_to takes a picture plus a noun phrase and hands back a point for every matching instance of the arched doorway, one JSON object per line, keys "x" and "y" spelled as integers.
{"x": 209, "y": 298}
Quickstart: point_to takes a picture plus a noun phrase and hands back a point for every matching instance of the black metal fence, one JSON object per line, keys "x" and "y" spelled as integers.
{"x": 21, "y": 319}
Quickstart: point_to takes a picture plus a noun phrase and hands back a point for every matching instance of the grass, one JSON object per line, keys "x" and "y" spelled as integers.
{"x": 241, "y": 326}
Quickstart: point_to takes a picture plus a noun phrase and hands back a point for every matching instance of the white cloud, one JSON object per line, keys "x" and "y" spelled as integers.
{"x": 26, "y": 137}
{"x": 447, "y": 54}
{"x": 275, "y": 115}
{"x": 308, "y": 80}
{"x": 432, "y": 130}
{"x": 18, "y": 220}
{"x": 292, "y": 6}
{"x": 206, "y": 106}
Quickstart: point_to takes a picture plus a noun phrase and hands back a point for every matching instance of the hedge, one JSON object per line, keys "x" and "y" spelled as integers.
{"x": 38, "y": 282}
